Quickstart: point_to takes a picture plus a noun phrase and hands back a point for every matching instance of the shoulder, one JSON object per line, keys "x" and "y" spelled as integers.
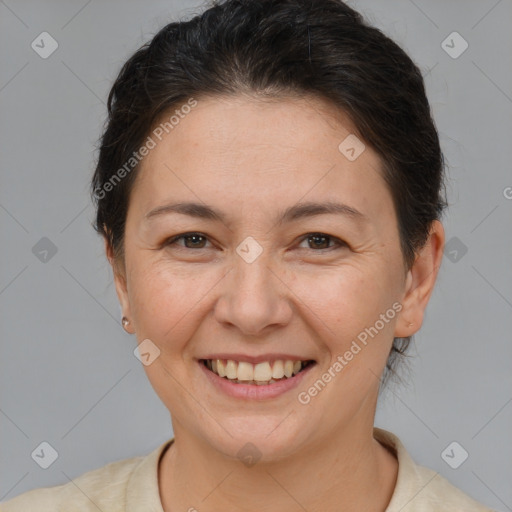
{"x": 438, "y": 494}
{"x": 419, "y": 489}
{"x": 99, "y": 488}
{"x": 106, "y": 488}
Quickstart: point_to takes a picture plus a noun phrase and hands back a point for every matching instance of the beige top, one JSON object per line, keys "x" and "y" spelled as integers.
{"x": 131, "y": 485}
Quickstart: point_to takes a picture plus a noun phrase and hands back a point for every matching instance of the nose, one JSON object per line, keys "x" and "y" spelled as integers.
{"x": 254, "y": 297}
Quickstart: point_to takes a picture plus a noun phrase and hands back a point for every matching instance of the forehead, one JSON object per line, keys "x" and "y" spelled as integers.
{"x": 243, "y": 150}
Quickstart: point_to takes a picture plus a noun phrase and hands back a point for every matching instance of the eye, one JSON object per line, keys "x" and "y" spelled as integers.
{"x": 196, "y": 240}
{"x": 322, "y": 240}
{"x": 319, "y": 241}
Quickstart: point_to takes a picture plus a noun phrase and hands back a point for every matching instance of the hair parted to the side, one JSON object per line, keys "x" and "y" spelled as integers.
{"x": 278, "y": 48}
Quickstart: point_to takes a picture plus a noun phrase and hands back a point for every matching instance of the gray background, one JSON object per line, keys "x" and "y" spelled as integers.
{"x": 68, "y": 375}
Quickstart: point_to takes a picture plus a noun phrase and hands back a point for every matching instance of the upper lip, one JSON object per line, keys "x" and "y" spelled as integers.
{"x": 257, "y": 359}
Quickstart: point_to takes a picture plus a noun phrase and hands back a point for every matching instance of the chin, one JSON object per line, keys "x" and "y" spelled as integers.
{"x": 258, "y": 438}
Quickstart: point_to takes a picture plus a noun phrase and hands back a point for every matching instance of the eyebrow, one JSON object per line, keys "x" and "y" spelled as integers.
{"x": 293, "y": 213}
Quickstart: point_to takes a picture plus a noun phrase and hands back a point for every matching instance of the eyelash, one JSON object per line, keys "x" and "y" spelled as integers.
{"x": 340, "y": 243}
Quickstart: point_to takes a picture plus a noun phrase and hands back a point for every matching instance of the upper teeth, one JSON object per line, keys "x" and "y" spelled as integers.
{"x": 261, "y": 372}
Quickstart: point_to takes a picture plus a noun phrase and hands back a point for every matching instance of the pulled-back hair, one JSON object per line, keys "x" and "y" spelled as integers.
{"x": 277, "y": 48}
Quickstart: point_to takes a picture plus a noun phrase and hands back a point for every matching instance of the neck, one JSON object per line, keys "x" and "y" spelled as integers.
{"x": 349, "y": 471}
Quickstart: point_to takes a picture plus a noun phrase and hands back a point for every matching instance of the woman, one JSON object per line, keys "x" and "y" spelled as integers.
{"x": 269, "y": 188}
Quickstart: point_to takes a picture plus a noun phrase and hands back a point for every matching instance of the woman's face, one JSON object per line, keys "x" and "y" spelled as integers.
{"x": 254, "y": 287}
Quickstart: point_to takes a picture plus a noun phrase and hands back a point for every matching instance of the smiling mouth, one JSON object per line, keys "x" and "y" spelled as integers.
{"x": 259, "y": 374}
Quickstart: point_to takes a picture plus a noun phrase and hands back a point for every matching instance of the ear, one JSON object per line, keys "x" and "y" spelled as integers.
{"x": 120, "y": 284}
{"x": 420, "y": 281}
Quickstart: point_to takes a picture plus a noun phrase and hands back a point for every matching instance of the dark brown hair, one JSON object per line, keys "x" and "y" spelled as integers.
{"x": 279, "y": 48}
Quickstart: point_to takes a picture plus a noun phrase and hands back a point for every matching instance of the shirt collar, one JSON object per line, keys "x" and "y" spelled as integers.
{"x": 142, "y": 493}
{"x": 411, "y": 478}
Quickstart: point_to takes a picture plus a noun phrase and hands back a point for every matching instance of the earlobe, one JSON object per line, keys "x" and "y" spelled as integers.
{"x": 420, "y": 282}
{"x": 122, "y": 294}
{"x": 121, "y": 289}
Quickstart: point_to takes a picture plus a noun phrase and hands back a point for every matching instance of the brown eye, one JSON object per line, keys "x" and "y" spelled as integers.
{"x": 191, "y": 240}
{"x": 320, "y": 241}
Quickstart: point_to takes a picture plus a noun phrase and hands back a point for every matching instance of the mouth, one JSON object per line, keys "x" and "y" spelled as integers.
{"x": 264, "y": 373}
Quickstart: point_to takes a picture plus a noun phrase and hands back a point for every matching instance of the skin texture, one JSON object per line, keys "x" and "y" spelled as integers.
{"x": 251, "y": 159}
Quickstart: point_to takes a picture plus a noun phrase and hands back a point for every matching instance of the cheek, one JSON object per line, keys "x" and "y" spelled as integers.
{"x": 169, "y": 302}
{"x": 351, "y": 297}
{"x": 357, "y": 308}
{"x": 166, "y": 301}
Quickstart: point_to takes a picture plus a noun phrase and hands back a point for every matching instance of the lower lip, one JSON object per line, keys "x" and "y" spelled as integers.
{"x": 254, "y": 391}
